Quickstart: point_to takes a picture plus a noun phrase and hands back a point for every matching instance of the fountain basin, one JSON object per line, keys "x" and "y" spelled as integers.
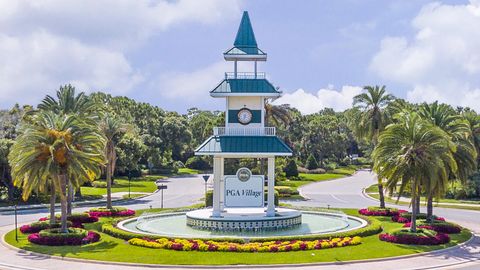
{"x": 173, "y": 225}
{"x": 234, "y": 219}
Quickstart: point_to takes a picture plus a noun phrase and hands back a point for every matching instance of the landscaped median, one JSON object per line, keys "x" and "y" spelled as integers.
{"x": 122, "y": 246}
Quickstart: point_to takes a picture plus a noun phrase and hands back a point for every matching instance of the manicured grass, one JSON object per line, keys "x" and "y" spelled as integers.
{"x": 373, "y": 192}
{"x": 121, "y": 185}
{"x": 113, "y": 249}
{"x": 306, "y": 179}
{"x": 142, "y": 184}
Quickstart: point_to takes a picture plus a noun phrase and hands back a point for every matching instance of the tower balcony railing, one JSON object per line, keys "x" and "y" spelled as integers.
{"x": 244, "y": 131}
{"x": 245, "y": 75}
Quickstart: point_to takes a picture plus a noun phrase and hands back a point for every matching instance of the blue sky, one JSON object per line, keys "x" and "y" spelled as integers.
{"x": 169, "y": 53}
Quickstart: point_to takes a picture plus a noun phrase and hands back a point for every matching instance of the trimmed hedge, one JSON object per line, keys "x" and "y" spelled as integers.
{"x": 421, "y": 237}
{"x": 374, "y": 227}
{"x": 114, "y": 212}
{"x": 53, "y": 237}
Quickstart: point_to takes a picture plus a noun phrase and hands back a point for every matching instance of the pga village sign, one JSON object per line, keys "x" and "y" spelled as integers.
{"x": 244, "y": 189}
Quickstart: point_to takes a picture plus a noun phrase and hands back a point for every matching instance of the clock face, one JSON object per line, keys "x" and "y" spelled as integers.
{"x": 244, "y": 116}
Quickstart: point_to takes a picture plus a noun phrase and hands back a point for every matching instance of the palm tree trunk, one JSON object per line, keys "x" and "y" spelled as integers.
{"x": 53, "y": 197}
{"x": 430, "y": 208}
{"x": 382, "y": 196}
{"x": 413, "y": 223}
{"x": 63, "y": 203}
{"x": 69, "y": 198}
{"x": 109, "y": 186}
{"x": 78, "y": 193}
{"x": 417, "y": 204}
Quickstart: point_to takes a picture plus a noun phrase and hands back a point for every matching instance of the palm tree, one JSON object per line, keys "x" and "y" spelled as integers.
{"x": 372, "y": 120}
{"x": 459, "y": 131}
{"x": 411, "y": 152}
{"x": 51, "y": 148}
{"x": 68, "y": 103}
{"x": 473, "y": 121}
{"x": 277, "y": 114}
{"x": 112, "y": 128}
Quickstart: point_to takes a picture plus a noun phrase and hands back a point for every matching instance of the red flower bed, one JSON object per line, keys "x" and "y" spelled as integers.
{"x": 438, "y": 239}
{"x": 73, "y": 238}
{"x": 77, "y": 218}
{"x": 124, "y": 213}
{"x": 442, "y": 227}
{"x": 400, "y": 219}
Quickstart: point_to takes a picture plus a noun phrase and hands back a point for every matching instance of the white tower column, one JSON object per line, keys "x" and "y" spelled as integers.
{"x": 217, "y": 173}
{"x": 222, "y": 184}
{"x": 271, "y": 188}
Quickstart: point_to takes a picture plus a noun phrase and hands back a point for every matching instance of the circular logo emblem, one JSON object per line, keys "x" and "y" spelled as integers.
{"x": 243, "y": 174}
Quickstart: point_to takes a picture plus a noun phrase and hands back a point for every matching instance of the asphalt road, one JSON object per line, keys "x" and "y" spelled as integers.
{"x": 341, "y": 193}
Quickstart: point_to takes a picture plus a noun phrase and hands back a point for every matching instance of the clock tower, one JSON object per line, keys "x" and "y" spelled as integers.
{"x": 244, "y": 134}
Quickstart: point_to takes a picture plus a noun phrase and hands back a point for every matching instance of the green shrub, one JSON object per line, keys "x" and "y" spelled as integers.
{"x": 117, "y": 233}
{"x": 197, "y": 163}
{"x": 317, "y": 171}
{"x": 408, "y": 215}
{"x": 291, "y": 169}
{"x": 99, "y": 184}
{"x": 72, "y": 233}
{"x": 104, "y": 209}
{"x": 302, "y": 170}
{"x": 331, "y": 166}
{"x": 286, "y": 191}
{"x": 376, "y": 208}
{"x": 311, "y": 162}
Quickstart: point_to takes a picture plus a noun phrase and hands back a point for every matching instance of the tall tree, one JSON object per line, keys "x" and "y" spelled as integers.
{"x": 277, "y": 114}
{"x": 412, "y": 151}
{"x": 113, "y": 129}
{"x": 53, "y": 147}
{"x": 458, "y": 129}
{"x": 373, "y": 119}
{"x": 69, "y": 103}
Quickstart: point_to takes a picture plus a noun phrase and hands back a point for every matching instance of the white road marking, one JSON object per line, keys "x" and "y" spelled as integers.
{"x": 336, "y": 198}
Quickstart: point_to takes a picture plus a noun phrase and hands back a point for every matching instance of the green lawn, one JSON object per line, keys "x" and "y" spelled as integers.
{"x": 113, "y": 249}
{"x": 306, "y": 179}
{"x": 373, "y": 192}
{"x": 142, "y": 184}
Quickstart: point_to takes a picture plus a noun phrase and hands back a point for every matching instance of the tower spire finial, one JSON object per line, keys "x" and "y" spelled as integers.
{"x": 245, "y": 36}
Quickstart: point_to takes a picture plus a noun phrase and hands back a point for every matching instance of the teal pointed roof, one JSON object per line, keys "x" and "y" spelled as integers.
{"x": 245, "y": 36}
{"x": 243, "y": 144}
{"x": 245, "y": 42}
{"x": 245, "y": 87}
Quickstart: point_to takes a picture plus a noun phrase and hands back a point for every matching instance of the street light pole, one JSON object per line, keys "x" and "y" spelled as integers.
{"x": 16, "y": 224}
{"x": 129, "y": 179}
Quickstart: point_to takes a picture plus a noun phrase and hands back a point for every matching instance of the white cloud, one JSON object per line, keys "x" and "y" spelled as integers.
{"x": 308, "y": 103}
{"x": 442, "y": 61}
{"x": 31, "y": 66}
{"x": 191, "y": 85}
{"x": 46, "y": 43}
